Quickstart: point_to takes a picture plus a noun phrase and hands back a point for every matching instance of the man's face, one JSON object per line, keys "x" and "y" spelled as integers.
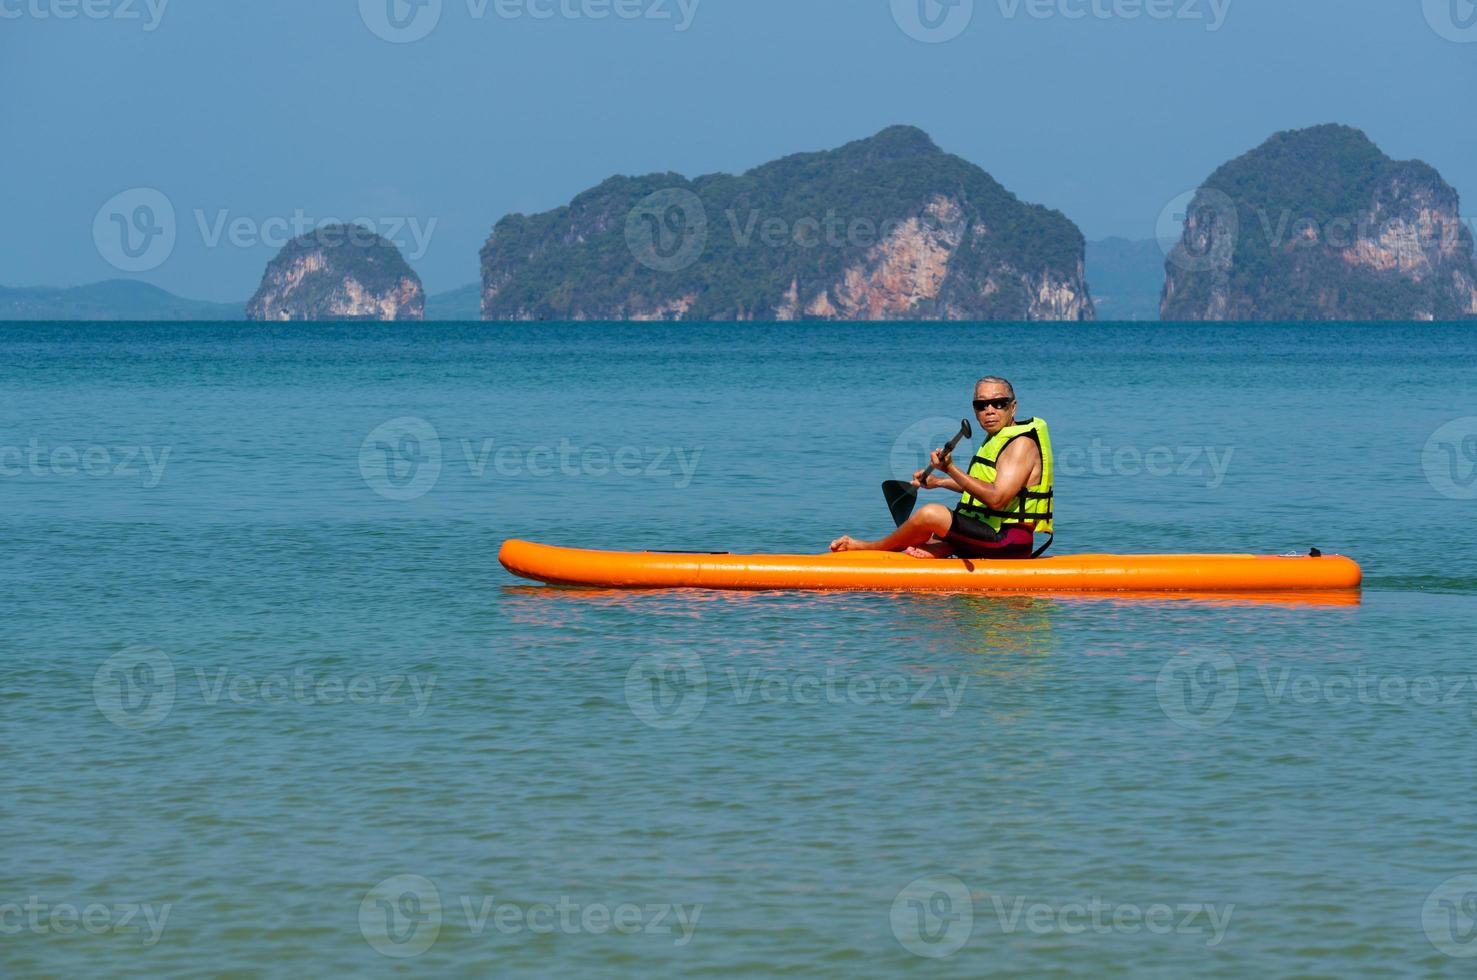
{"x": 994, "y": 407}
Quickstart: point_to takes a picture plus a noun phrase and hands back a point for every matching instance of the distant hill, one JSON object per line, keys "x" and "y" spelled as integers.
{"x": 886, "y": 228}
{"x": 339, "y": 272}
{"x": 1319, "y": 224}
{"x": 1126, "y": 278}
{"x": 464, "y": 303}
{"x": 116, "y": 299}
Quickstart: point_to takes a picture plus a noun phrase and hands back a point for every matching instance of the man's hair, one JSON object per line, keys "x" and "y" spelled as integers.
{"x": 992, "y": 380}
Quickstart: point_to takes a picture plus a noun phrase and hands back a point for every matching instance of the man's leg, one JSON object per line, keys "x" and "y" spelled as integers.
{"x": 930, "y": 520}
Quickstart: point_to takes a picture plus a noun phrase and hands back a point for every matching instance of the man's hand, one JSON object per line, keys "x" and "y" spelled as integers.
{"x": 924, "y": 481}
{"x": 942, "y": 460}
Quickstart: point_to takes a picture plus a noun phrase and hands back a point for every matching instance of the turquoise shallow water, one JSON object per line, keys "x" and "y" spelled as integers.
{"x": 271, "y": 707}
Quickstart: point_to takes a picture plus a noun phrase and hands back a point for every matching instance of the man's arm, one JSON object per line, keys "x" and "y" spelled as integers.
{"x": 1012, "y": 475}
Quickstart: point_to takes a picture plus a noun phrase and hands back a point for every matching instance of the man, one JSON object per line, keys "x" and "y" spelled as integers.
{"x": 1006, "y": 496}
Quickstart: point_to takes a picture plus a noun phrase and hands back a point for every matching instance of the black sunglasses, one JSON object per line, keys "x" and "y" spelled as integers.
{"x": 1000, "y": 404}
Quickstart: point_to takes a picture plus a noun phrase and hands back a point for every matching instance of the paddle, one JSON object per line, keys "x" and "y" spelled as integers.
{"x": 903, "y": 497}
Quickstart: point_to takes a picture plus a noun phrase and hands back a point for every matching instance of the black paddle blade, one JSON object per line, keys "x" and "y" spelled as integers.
{"x": 901, "y": 499}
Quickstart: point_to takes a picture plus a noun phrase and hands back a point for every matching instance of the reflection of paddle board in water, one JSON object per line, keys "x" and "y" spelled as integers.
{"x": 876, "y": 571}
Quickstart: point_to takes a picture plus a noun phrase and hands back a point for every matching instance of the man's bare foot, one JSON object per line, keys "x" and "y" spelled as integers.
{"x": 919, "y": 553}
{"x": 850, "y": 544}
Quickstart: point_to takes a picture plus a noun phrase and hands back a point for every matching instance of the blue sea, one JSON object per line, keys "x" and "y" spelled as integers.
{"x": 270, "y": 707}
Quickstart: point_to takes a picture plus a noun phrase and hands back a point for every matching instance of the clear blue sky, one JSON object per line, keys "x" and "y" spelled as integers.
{"x": 254, "y": 109}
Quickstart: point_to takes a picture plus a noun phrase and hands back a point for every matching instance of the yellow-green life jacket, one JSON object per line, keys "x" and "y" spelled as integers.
{"x": 1033, "y": 504}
